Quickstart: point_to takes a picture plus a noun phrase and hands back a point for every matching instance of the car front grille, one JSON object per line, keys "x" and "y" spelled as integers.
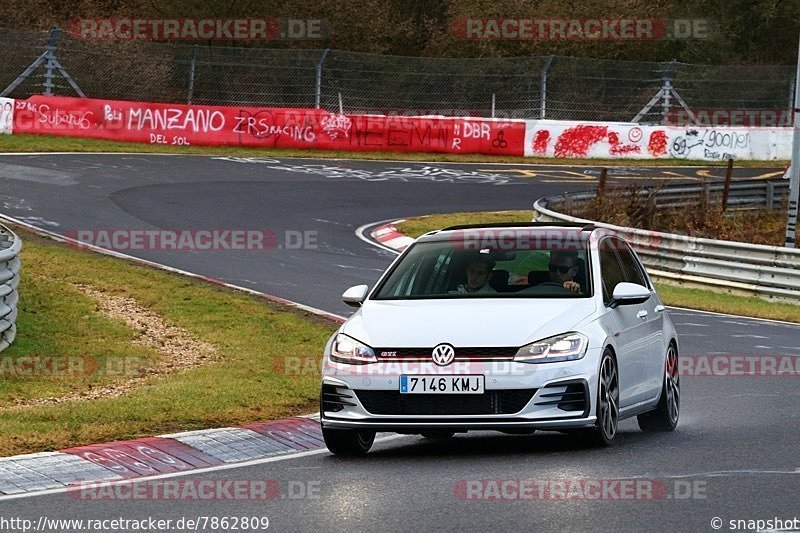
{"x": 462, "y": 353}
{"x": 497, "y": 402}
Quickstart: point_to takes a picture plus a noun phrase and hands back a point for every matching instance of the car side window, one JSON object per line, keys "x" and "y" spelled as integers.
{"x": 632, "y": 268}
{"x": 611, "y": 272}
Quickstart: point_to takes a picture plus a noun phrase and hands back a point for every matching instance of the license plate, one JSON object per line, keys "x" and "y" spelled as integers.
{"x": 441, "y": 384}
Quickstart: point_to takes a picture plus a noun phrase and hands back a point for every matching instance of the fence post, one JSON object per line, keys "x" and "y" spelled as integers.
{"x": 601, "y": 187}
{"x": 50, "y": 64}
{"x": 770, "y": 194}
{"x": 667, "y": 78}
{"x": 794, "y": 165}
{"x": 318, "y": 96}
{"x": 48, "y": 59}
{"x": 543, "y": 95}
{"x": 664, "y": 94}
{"x": 493, "y": 103}
{"x": 727, "y": 189}
{"x": 706, "y": 195}
{"x": 191, "y": 73}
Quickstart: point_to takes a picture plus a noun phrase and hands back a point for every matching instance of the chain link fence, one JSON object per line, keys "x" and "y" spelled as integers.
{"x": 552, "y": 87}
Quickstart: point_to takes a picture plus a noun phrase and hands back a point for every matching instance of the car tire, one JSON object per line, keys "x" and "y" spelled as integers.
{"x": 348, "y": 442}
{"x": 437, "y": 435}
{"x": 605, "y": 429}
{"x": 665, "y": 416}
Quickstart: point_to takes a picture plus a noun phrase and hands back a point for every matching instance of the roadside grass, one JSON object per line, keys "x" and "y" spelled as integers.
{"x": 416, "y": 226}
{"x": 54, "y": 143}
{"x": 701, "y": 299}
{"x": 266, "y": 364}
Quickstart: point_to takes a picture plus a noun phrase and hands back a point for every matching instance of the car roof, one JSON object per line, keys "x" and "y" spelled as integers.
{"x": 451, "y": 232}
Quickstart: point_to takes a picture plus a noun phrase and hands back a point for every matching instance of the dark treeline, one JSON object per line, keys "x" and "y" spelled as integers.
{"x": 745, "y": 31}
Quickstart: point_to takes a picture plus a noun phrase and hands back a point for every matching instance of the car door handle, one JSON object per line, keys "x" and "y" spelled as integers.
{"x": 659, "y": 308}
{"x": 642, "y": 314}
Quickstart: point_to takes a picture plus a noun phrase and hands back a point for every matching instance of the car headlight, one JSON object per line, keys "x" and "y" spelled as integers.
{"x": 564, "y": 347}
{"x": 348, "y": 350}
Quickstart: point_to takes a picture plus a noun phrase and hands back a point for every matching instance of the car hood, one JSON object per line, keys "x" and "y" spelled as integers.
{"x": 478, "y": 322}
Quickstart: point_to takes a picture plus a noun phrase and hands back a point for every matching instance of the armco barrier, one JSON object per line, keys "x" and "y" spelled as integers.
{"x": 768, "y": 271}
{"x": 743, "y": 195}
{"x": 183, "y": 125}
{"x": 10, "y": 246}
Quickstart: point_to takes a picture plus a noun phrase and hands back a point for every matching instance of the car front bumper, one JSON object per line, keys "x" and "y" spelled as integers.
{"x": 561, "y": 396}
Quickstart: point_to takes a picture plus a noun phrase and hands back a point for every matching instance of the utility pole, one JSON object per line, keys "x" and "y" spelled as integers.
{"x": 794, "y": 168}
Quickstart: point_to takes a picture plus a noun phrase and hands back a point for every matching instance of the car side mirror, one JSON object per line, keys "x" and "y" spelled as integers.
{"x": 629, "y": 293}
{"x": 355, "y": 296}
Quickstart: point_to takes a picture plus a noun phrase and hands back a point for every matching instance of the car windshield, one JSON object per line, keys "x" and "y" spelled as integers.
{"x": 513, "y": 268}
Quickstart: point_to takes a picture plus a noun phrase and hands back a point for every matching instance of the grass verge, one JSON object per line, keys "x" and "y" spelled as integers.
{"x": 701, "y": 299}
{"x": 52, "y": 143}
{"x": 264, "y": 365}
{"x": 416, "y": 226}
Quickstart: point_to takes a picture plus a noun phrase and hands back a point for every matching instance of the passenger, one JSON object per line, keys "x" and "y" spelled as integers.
{"x": 563, "y": 269}
{"x": 479, "y": 271}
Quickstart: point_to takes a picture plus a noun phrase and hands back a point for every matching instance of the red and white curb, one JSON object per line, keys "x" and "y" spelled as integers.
{"x": 388, "y": 236}
{"x": 156, "y": 456}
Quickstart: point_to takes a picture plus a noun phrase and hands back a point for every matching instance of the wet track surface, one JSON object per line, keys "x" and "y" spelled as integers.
{"x": 733, "y": 456}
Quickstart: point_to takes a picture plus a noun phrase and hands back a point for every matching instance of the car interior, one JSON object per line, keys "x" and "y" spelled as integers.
{"x": 504, "y": 281}
{"x": 440, "y": 270}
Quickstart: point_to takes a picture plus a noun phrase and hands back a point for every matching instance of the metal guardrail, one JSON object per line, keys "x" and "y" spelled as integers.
{"x": 10, "y": 246}
{"x": 743, "y": 195}
{"x": 768, "y": 271}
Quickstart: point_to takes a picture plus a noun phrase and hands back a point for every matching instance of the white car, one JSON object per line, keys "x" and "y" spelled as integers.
{"x": 503, "y": 327}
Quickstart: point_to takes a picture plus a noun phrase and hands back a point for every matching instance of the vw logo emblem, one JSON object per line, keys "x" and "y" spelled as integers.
{"x": 443, "y": 354}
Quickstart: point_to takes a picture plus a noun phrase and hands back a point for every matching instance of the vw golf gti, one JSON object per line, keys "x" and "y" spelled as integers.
{"x": 514, "y": 328}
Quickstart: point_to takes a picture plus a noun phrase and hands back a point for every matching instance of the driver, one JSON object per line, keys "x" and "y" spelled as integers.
{"x": 479, "y": 270}
{"x": 563, "y": 268}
